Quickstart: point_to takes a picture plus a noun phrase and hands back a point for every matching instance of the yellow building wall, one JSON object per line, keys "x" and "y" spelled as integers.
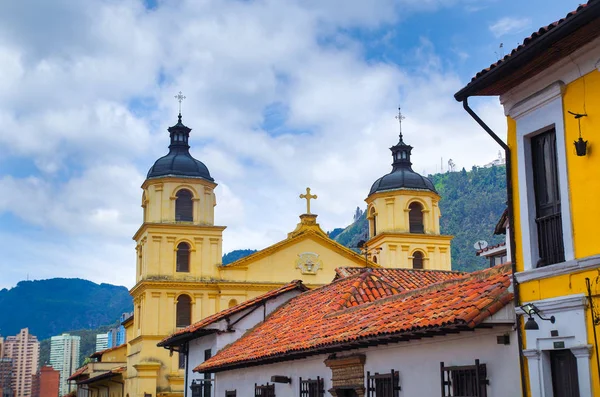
{"x": 281, "y": 266}
{"x": 584, "y": 172}
{"x": 118, "y": 355}
{"x": 584, "y": 188}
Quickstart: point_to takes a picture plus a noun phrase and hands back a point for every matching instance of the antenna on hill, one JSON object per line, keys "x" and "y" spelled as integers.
{"x": 481, "y": 244}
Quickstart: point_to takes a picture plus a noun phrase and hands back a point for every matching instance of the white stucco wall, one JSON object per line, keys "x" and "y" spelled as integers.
{"x": 417, "y": 361}
{"x": 217, "y": 341}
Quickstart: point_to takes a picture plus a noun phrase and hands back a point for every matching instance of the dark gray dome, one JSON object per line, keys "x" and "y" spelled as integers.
{"x": 403, "y": 178}
{"x": 179, "y": 162}
{"x": 402, "y": 175}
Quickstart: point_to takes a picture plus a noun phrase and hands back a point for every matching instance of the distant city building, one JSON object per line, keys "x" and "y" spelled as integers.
{"x": 64, "y": 357}
{"x": 46, "y": 382}
{"x": 6, "y": 372}
{"x": 24, "y": 350}
{"x": 101, "y": 342}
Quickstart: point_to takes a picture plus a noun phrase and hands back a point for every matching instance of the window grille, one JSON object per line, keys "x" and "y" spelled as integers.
{"x": 464, "y": 381}
{"x": 201, "y": 387}
{"x": 230, "y": 393}
{"x": 181, "y": 360}
{"x": 383, "y": 385}
{"x": 312, "y": 387}
{"x": 264, "y": 390}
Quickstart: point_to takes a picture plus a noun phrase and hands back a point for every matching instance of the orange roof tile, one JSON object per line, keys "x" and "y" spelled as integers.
{"x": 314, "y": 322}
{"x": 169, "y": 341}
{"x": 78, "y": 373}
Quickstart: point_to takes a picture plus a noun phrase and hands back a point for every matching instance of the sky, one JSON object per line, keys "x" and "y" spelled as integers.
{"x": 280, "y": 95}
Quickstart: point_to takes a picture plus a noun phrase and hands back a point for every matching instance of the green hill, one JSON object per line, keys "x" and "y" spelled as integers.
{"x": 471, "y": 205}
{"x": 50, "y": 307}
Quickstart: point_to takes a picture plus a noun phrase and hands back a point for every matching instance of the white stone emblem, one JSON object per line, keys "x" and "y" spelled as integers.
{"x": 308, "y": 263}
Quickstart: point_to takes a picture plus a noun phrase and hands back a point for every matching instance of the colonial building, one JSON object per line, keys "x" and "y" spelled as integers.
{"x": 404, "y": 217}
{"x": 180, "y": 279}
{"x": 371, "y": 332}
{"x": 549, "y": 87}
{"x": 103, "y": 375}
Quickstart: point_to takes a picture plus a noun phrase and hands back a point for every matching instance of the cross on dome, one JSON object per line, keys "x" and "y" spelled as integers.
{"x": 180, "y": 97}
{"x": 400, "y": 117}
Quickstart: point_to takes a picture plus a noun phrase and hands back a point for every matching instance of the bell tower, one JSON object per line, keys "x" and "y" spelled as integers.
{"x": 178, "y": 249}
{"x": 404, "y": 216}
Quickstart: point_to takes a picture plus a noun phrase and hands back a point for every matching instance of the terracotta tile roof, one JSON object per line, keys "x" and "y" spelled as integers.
{"x": 372, "y": 284}
{"x": 78, "y": 373}
{"x": 556, "y": 29}
{"x": 491, "y": 247}
{"x": 315, "y": 323}
{"x": 101, "y": 352}
{"x": 169, "y": 341}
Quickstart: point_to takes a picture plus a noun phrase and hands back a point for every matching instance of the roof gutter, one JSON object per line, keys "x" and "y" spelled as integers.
{"x": 511, "y": 225}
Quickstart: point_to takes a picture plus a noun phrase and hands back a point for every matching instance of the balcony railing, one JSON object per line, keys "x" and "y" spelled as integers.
{"x": 550, "y": 239}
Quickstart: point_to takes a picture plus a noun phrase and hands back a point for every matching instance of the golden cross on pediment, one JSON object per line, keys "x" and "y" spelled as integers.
{"x": 308, "y": 197}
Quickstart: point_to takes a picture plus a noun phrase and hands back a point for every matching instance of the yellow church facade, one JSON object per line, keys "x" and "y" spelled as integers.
{"x": 180, "y": 278}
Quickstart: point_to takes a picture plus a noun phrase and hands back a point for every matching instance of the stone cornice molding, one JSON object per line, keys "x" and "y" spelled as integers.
{"x": 568, "y": 267}
{"x": 556, "y": 305}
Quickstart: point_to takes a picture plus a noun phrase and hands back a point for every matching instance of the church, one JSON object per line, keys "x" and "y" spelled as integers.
{"x": 180, "y": 279}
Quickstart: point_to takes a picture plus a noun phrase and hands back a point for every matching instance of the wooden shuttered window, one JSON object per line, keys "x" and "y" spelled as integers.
{"x": 548, "y": 216}
{"x": 464, "y": 381}
{"x": 418, "y": 260}
{"x": 415, "y": 218}
{"x": 184, "y": 206}
{"x": 183, "y": 257}
{"x": 264, "y": 390}
{"x": 312, "y": 387}
{"x": 383, "y": 385}
{"x": 184, "y": 311}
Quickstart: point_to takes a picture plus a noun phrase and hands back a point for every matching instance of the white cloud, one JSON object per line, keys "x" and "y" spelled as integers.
{"x": 86, "y": 103}
{"x": 509, "y": 25}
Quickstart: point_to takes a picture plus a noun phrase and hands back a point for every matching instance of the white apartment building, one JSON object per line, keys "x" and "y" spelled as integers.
{"x": 64, "y": 357}
{"x": 101, "y": 342}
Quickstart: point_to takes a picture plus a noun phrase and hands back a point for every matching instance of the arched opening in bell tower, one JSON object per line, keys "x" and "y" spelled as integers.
{"x": 183, "y": 257}
{"x": 184, "y": 311}
{"x": 373, "y": 221}
{"x": 417, "y": 260}
{"x": 184, "y": 206}
{"x": 415, "y": 218}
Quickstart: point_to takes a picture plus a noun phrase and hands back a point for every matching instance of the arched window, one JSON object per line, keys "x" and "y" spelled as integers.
{"x": 373, "y": 222}
{"x": 184, "y": 311}
{"x": 184, "y": 207}
{"x": 375, "y": 259}
{"x": 183, "y": 257}
{"x": 232, "y": 303}
{"x": 415, "y": 218}
{"x": 418, "y": 260}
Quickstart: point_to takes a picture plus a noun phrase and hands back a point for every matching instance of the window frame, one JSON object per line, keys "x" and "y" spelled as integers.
{"x": 450, "y": 375}
{"x": 307, "y": 387}
{"x": 188, "y": 215}
{"x": 537, "y": 114}
{"x": 180, "y": 259}
{"x": 376, "y": 386}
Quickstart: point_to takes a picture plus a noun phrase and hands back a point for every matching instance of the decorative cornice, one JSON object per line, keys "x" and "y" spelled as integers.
{"x": 195, "y": 227}
{"x": 172, "y": 179}
{"x": 402, "y": 192}
{"x": 568, "y": 267}
{"x": 322, "y": 237}
{"x": 560, "y": 304}
{"x": 537, "y": 100}
{"x": 408, "y": 236}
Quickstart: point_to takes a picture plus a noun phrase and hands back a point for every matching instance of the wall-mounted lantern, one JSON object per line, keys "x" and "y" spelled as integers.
{"x": 530, "y": 309}
{"x": 580, "y": 144}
